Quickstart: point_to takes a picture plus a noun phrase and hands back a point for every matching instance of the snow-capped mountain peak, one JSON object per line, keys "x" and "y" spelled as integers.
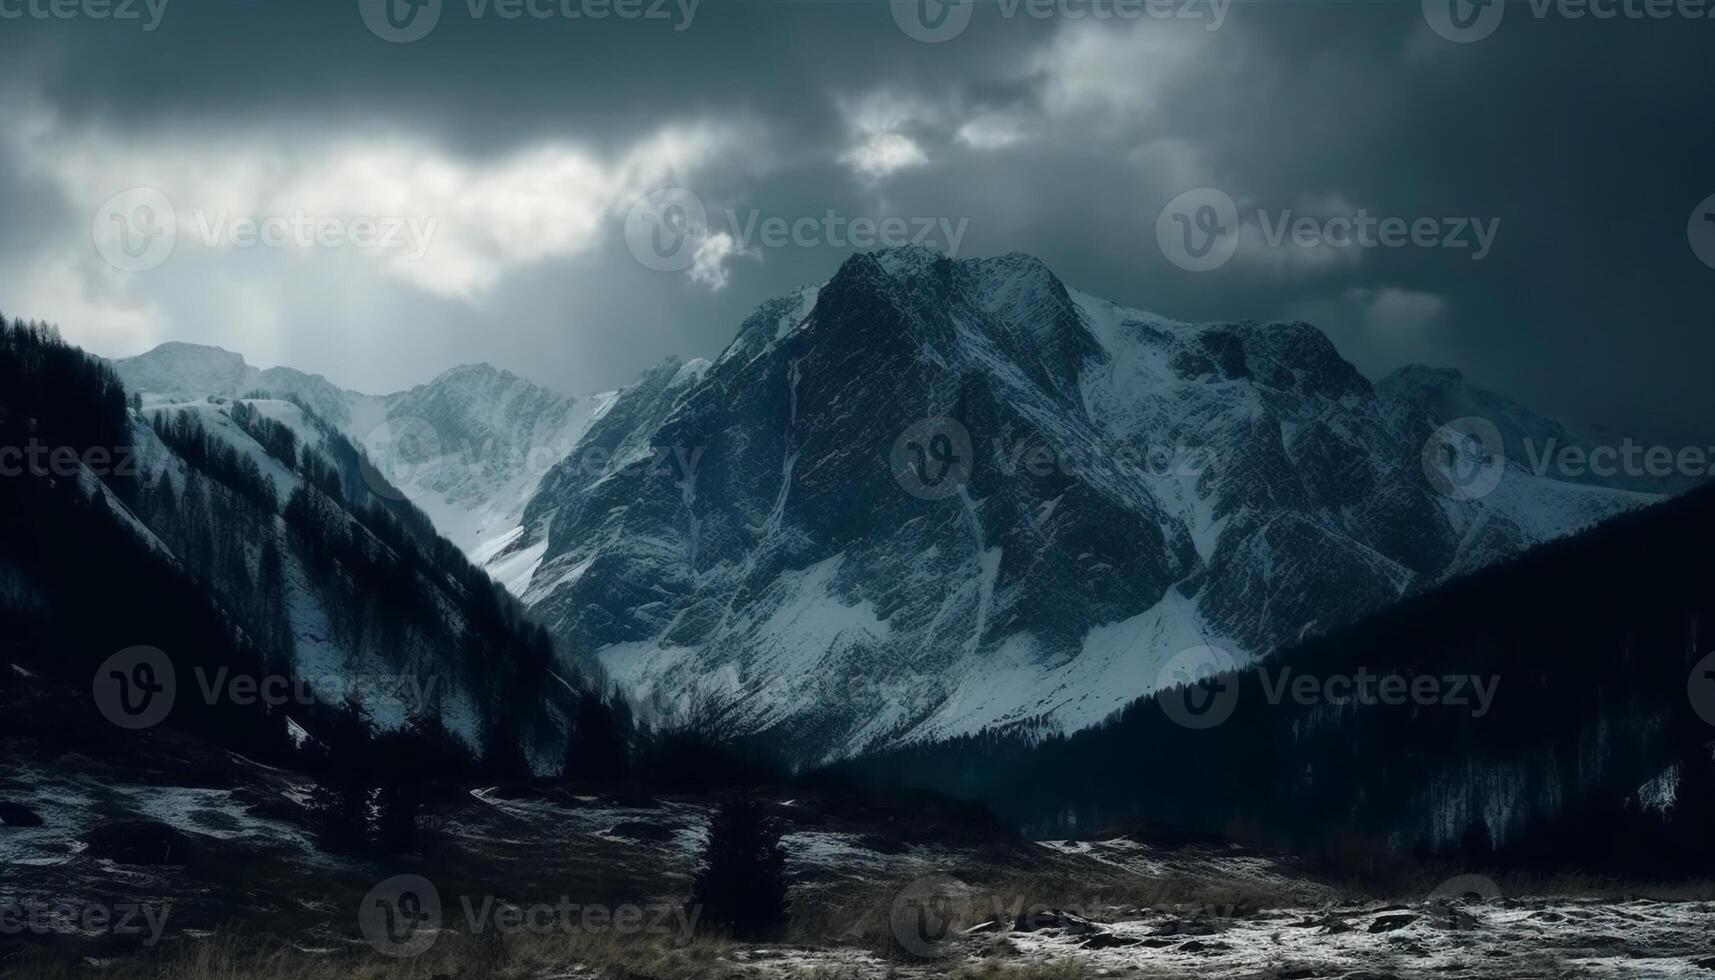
{"x": 1123, "y": 487}
{"x": 929, "y": 496}
{"x": 467, "y": 447}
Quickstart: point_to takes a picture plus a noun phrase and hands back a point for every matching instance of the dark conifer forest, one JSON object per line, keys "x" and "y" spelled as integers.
{"x": 1589, "y": 642}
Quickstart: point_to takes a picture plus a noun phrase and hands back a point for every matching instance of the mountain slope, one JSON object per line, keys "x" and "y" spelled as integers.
{"x": 468, "y": 447}
{"x": 271, "y": 548}
{"x": 1591, "y": 748}
{"x": 931, "y": 497}
{"x": 1135, "y": 487}
{"x": 1419, "y": 397}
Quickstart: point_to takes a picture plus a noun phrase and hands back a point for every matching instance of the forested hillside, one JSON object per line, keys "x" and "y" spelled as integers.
{"x": 1590, "y": 751}
{"x": 252, "y": 538}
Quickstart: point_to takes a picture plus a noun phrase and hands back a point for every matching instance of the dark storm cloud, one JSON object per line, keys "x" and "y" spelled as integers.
{"x": 1589, "y": 141}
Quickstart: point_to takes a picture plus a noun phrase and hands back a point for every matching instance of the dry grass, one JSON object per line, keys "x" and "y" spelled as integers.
{"x": 1567, "y": 886}
{"x": 1033, "y": 969}
{"x": 490, "y": 956}
{"x": 863, "y": 914}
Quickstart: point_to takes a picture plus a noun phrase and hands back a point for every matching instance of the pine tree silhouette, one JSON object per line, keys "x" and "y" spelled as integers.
{"x": 597, "y": 747}
{"x": 742, "y": 884}
{"x": 341, "y": 799}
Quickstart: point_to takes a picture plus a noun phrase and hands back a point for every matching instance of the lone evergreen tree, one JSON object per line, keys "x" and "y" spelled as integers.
{"x": 596, "y": 748}
{"x": 741, "y": 886}
{"x": 340, "y": 800}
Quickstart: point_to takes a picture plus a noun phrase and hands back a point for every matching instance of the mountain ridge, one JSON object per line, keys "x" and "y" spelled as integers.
{"x": 794, "y": 578}
{"x": 467, "y": 446}
{"x": 741, "y": 530}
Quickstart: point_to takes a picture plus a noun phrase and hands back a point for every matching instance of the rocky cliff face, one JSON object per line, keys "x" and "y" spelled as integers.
{"x": 931, "y": 496}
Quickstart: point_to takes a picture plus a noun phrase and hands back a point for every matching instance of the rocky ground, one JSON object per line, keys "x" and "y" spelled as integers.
{"x": 182, "y": 861}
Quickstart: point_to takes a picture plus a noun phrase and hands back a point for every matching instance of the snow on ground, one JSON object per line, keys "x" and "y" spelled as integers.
{"x": 847, "y": 880}
{"x": 1511, "y": 939}
{"x": 1228, "y": 865}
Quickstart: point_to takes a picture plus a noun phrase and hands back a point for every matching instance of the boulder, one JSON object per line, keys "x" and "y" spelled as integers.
{"x": 18, "y": 815}
{"x": 140, "y": 842}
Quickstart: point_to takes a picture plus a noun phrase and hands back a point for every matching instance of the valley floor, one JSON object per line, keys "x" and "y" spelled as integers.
{"x": 218, "y": 851}
{"x": 254, "y": 898}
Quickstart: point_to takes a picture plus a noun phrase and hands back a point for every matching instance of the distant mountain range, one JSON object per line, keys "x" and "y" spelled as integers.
{"x": 467, "y": 448}
{"x": 929, "y": 497}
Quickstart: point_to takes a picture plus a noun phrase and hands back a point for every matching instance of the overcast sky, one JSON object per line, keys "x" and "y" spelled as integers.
{"x": 500, "y": 157}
